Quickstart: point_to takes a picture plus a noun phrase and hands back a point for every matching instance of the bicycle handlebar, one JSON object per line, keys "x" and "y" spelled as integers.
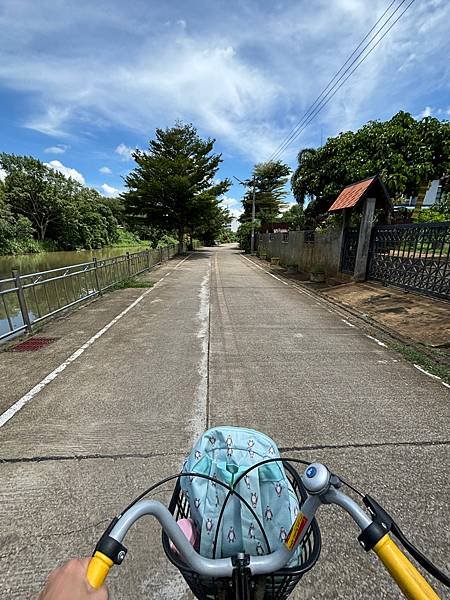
{"x": 322, "y": 488}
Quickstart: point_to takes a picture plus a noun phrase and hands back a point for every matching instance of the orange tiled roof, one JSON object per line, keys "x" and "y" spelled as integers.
{"x": 351, "y": 195}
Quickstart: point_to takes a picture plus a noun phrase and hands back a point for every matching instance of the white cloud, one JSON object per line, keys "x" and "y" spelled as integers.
{"x": 58, "y": 149}
{"x": 51, "y": 122}
{"x": 109, "y": 191}
{"x": 66, "y": 171}
{"x": 2, "y": 174}
{"x": 124, "y": 151}
{"x": 245, "y": 80}
{"x": 427, "y": 112}
{"x": 105, "y": 170}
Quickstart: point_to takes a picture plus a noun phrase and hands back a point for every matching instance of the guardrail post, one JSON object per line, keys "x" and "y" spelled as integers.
{"x": 97, "y": 278}
{"x": 22, "y": 301}
{"x": 129, "y": 264}
{"x": 160, "y": 255}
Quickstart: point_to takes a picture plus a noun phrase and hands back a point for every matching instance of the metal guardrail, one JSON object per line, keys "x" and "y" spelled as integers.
{"x": 26, "y": 300}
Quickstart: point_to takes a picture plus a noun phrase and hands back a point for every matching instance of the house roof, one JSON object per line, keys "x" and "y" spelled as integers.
{"x": 352, "y": 194}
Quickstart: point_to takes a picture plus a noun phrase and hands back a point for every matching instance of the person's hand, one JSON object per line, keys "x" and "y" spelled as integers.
{"x": 69, "y": 583}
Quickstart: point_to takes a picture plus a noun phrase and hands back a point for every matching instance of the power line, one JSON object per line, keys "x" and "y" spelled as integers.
{"x": 324, "y": 96}
{"x": 294, "y": 133}
{"x": 319, "y": 108}
{"x": 332, "y": 79}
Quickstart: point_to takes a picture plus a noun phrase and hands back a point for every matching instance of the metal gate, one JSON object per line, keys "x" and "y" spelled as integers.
{"x": 348, "y": 252}
{"x": 412, "y": 256}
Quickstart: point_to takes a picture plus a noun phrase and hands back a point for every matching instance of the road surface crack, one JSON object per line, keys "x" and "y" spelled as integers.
{"x": 361, "y": 445}
{"x": 97, "y": 456}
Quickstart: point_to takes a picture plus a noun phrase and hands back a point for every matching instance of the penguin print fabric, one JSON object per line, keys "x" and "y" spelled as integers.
{"x": 225, "y": 453}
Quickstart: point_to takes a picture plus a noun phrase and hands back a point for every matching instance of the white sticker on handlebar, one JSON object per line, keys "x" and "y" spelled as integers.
{"x": 296, "y": 529}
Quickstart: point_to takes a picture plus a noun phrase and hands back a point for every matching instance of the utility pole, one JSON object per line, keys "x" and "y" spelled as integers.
{"x": 252, "y": 239}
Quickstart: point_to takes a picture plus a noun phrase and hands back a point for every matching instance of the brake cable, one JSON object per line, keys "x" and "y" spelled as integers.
{"x": 200, "y": 476}
{"x": 380, "y": 515}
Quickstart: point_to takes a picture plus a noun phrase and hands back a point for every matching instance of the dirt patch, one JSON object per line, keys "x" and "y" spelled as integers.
{"x": 419, "y": 318}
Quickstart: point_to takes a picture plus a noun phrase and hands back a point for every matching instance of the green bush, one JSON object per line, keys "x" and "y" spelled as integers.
{"x": 317, "y": 269}
{"x": 244, "y": 235}
{"x": 128, "y": 238}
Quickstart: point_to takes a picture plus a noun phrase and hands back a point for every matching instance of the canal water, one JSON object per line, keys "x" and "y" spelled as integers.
{"x": 44, "y": 261}
{"x": 46, "y": 298}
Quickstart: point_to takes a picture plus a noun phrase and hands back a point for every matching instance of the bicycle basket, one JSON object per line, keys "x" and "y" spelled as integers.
{"x": 276, "y": 586}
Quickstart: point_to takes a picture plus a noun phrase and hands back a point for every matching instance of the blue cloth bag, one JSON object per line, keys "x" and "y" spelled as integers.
{"x": 225, "y": 453}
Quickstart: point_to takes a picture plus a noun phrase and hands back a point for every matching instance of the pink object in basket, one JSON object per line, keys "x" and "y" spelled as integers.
{"x": 187, "y": 526}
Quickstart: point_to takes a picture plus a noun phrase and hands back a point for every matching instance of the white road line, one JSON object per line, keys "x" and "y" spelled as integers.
{"x": 427, "y": 372}
{"x": 261, "y": 269}
{"x": 200, "y": 410}
{"x": 376, "y": 340}
{"x": 348, "y": 323}
{"x": 343, "y": 320}
{"x": 8, "y": 414}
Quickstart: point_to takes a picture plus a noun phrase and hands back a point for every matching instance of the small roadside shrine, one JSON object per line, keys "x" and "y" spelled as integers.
{"x": 367, "y": 196}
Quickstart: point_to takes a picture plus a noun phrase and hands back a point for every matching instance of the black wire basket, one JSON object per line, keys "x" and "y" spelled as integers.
{"x": 276, "y": 586}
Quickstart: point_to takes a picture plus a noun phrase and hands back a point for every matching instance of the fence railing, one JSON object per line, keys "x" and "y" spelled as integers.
{"x": 415, "y": 257}
{"x": 26, "y": 300}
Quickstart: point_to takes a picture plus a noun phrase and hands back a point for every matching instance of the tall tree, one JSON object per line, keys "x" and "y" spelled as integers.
{"x": 406, "y": 153}
{"x": 41, "y": 201}
{"x": 269, "y": 181}
{"x": 168, "y": 187}
{"x": 35, "y": 191}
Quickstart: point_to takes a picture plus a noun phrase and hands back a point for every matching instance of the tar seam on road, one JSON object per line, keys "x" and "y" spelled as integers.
{"x": 19, "y": 404}
{"x": 357, "y": 445}
{"x": 79, "y": 457}
{"x": 337, "y": 312}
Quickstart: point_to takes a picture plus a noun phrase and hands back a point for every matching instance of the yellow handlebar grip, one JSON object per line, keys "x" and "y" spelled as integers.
{"x": 98, "y": 570}
{"x": 407, "y": 577}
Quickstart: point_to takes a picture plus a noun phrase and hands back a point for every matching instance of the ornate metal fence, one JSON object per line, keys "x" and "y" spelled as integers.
{"x": 348, "y": 252}
{"x": 415, "y": 257}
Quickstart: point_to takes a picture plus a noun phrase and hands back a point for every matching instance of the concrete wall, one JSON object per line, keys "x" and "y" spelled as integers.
{"x": 325, "y": 250}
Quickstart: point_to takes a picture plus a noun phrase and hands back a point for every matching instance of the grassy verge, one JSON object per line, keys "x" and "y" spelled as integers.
{"x": 127, "y": 239}
{"x": 430, "y": 364}
{"x": 133, "y": 283}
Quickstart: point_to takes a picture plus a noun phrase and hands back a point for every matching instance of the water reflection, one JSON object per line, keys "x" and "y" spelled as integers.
{"x": 47, "y": 293}
{"x": 32, "y": 263}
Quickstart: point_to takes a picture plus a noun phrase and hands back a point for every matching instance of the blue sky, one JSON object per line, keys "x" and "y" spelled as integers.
{"x": 83, "y": 82}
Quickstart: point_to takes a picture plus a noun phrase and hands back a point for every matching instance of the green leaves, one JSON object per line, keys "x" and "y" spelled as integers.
{"x": 41, "y": 203}
{"x": 269, "y": 180}
{"x": 405, "y": 152}
{"x": 172, "y": 187}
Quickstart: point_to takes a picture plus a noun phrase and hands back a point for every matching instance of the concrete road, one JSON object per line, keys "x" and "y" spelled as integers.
{"x": 216, "y": 341}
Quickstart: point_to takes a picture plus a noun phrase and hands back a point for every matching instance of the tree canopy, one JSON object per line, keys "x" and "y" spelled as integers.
{"x": 269, "y": 180}
{"x": 173, "y": 186}
{"x": 39, "y": 203}
{"x": 403, "y": 151}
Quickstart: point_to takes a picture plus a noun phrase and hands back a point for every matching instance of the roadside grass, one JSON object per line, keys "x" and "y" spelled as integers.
{"x": 133, "y": 283}
{"x": 432, "y": 365}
